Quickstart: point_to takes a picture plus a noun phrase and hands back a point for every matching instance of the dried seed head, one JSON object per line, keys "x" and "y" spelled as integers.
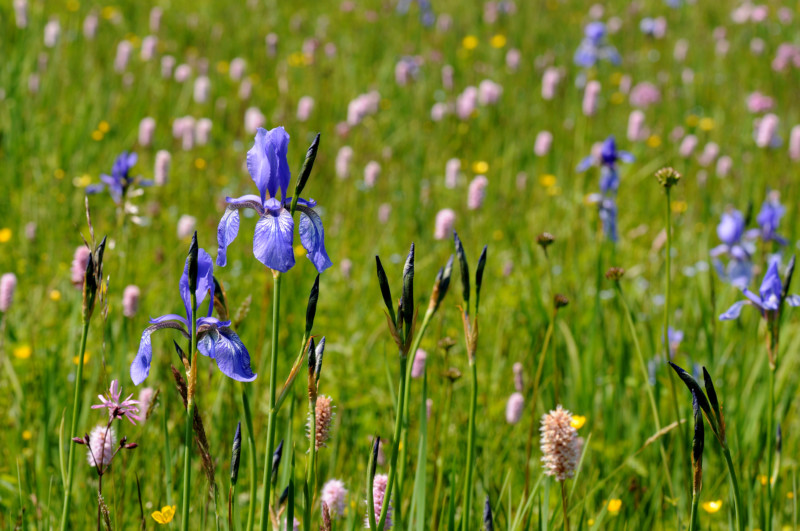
{"x": 615, "y": 273}
{"x": 545, "y": 239}
{"x": 324, "y": 416}
{"x": 668, "y": 177}
{"x": 560, "y": 444}
{"x": 452, "y": 374}
{"x": 560, "y": 301}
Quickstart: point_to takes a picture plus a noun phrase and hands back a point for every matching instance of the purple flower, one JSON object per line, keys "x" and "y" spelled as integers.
{"x": 608, "y": 215}
{"x": 730, "y": 231}
{"x": 674, "y": 339}
{"x": 768, "y": 300}
{"x": 120, "y": 179}
{"x": 117, "y": 409}
{"x": 274, "y": 236}
{"x": 593, "y": 47}
{"x": 214, "y": 337}
{"x": 768, "y": 220}
{"x": 608, "y": 157}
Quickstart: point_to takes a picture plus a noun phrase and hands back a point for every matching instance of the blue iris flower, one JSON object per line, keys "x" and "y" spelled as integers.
{"x": 768, "y": 219}
{"x": 214, "y": 337}
{"x": 607, "y": 158}
{"x": 730, "y": 231}
{"x": 768, "y": 299}
{"x": 593, "y": 47}
{"x": 120, "y": 179}
{"x": 274, "y": 236}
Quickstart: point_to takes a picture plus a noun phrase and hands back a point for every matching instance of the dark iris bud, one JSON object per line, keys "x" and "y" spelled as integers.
{"x": 193, "y": 251}
{"x": 386, "y": 292}
{"x": 305, "y": 171}
{"x": 284, "y": 496}
{"x": 311, "y": 308}
{"x": 462, "y": 262}
{"x": 479, "y": 276}
{"x": 488, "y": 522}
{"x": 615, "y": 273}
{"x": 276, "y": 461}
{"x": 560, "y": 301}
{"x": 668, "y": 177}
{"x": 408, "y": 288}
{"x": 236, "y": 453}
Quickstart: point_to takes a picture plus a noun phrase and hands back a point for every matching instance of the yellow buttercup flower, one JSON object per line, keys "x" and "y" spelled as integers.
{"x": 497, "y": 235}
{"x": 679, "y": 207}
{"x": 654, "y": 141}
{"x": 55, "y": 295}
{"x": 712, "y": 506}
{"x": 547, "y": 180}
{"x": 27, "y": 435}
{"x": 165, "y": 515}
{"x": 692, "y": 120}
{"x": 299, "y": 251}
{"x": 108, "y": 12}
{"x": 470, "y": 42}
{"x": 200, "y": 164}
{"x": 614, "y": 506}
{"x": 223, "y": 67}
{"x": 58, "y": 174}
{"x": 83, "y": 181}
{"x": 73, "y": 5}
{"x": 498, "y": 41}
{"x": 97, "y": 135}
{"x": 103, "y": 127}
{"x": 616, "y": 78}
{"x": 706, "y": 124}
{"x": 86, "y": 356}
{"x": 578, "y": 421}
{"x": 480, "y": 166}
{"x": 5, "y": 235}
{"x": 23, "y": 352}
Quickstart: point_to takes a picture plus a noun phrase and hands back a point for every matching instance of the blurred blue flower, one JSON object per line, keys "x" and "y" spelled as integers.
{"x": 274, "y": 236}
{"x": 730, "y": 231}
{"x": 769, "y": 297}
{"x": 593, "y": 47}
{"x": 607, "y": 158}
{"x": 769, "y": 219}
{"x": 214, "y": 337}
{"x": 120, "y": 179}
{"x": 674, "y": 340}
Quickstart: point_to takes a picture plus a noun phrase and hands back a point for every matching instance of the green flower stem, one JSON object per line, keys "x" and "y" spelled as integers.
{"x": 265, "y": 489}
{"x": 74, "y": 426}
{"x": 310, "y": 487}
{"x": 187, "y": 433}
{"x": 693, "y": 526}
{"x": 535, "y": 395}
{"x": 251, "y": 449}
{"x": 395, "y": 443}
{"x": 468, "y": 488}
{"x": 564, "y": 504}
{"x": 401, "y": 474}
{"x": 651, "y": 397}
{"x": 737, "y": 498}
{"x": 770, "y": 444}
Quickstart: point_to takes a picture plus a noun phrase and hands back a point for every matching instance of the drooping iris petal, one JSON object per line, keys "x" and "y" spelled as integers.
{"x": 792, "y": 300}
{"x": 734, "y": 311}
{"x": 228, "y": 227}
{"x": 205, "y": 283}
{"x": 280, "y": 139}
{"x": 625, "y": 156}
{"x": 140, "y": 368}
{"x": 95, "y": 188}
{"x": 262, "y": 164}
{"x": 585, "y": 163}
{"x": 312, "y": 236}
{"x": 169, "y": 317}
{"x": 223, "y": 345}
{"x": 272, "y": 243}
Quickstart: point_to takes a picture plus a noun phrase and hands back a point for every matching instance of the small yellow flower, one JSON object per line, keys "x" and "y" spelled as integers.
{"x": 23, "y": 352}
{"x": 762, "y": 478}
{"x": 712, "y": 506}
{"x": 679, "y": 207}
{"x": 27, "y": 435}
{"x": 297, "y": 59}
{"x": 108, "y": 12}
{"x": 590, "y": 521}
{"x": 83, "y": 181}
{"x": 200, "y": 164}
{"x": 706, "y": 124}
{"x": 5, "y": 235}
{"x": 617, "y": 98}
{"x": 73, "y": 5}
{"x": 97, "y": 135}
{"x": 480, "y": 166}
{"x": 470, "y": 42}
{"x": 547, "y": 180}
{"x": 222, "y": 67}
{"x": 578, "y": 421}
{"x": 614, "y": 506}
{"x": 692, "y": 120}
{"x": 103, "y": 127}
{"x": 497, "y": 235}
{"x": 55, "y": 295}
{"x": 498, "y": 41}
{"x": 86, "y": 356}
{"x": 790, "y": 495}
{"x": 299, "y": 251}
{"x": 616, "y": 78}
{"x": 58, "y": 174}
{"x": 654, "y": 141}
{"x": 165, "y": 515}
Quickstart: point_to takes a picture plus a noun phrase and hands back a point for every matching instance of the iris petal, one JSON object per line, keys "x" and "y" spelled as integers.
{"x": 734, "y": 311}
{"x": 272, "y": 243}
{"x": 312, "y": 236}
{"x": 279, "y": 138}
{"x": 262, "y": 164}
{"x": 140, "y": 368}
{"x": 233, "y": 360}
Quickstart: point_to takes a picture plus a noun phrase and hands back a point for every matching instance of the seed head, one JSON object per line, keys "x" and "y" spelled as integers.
{"x": 560, "y": 444}
{"x": 668, "y": 177}
{"x": 545, "y": 239}
{"x": 615, "y": 273}
{"x": 560, "y": 301}
{"x": 324, "y": 416}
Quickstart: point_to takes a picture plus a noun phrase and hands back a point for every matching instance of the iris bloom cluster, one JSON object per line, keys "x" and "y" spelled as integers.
{"x": 274, "y": 235}
{"x": 608, "y": 158}
{"x": 768, "y": 299}
{"x": 215, "y": 339}
{"x": 594, "y": 48}
{"x": 120, "y": 181}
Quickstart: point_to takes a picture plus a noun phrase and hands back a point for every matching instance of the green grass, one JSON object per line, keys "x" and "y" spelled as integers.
{"x": 46, "y": 147}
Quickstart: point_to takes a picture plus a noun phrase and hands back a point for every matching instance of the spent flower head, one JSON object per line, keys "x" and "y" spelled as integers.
{"x": 667, "y": 177}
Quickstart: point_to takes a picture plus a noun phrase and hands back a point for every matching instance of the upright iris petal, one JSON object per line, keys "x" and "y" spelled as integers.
{"x": 266, "y": 162}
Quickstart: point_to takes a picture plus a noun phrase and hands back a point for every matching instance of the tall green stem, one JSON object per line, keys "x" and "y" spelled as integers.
{"x": 265, "y": 489}
{"x": 473, "y": 406}
{"x": 770, "y": 444}
{"x": 74, "y": 425}
{"x": 395, "y": 443}
{"x": 650, "y": 395}
{"x": 310, "y": 487}
{"x": 668, "y": 274}
{"x": 535, "y": 395}
{"x": 693, "y": 518}
{"x": 187, "y": 433}
{"x": 737, "y": 498}
{"x": 401, "y": 475}
{"x": 251, "y": 450}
